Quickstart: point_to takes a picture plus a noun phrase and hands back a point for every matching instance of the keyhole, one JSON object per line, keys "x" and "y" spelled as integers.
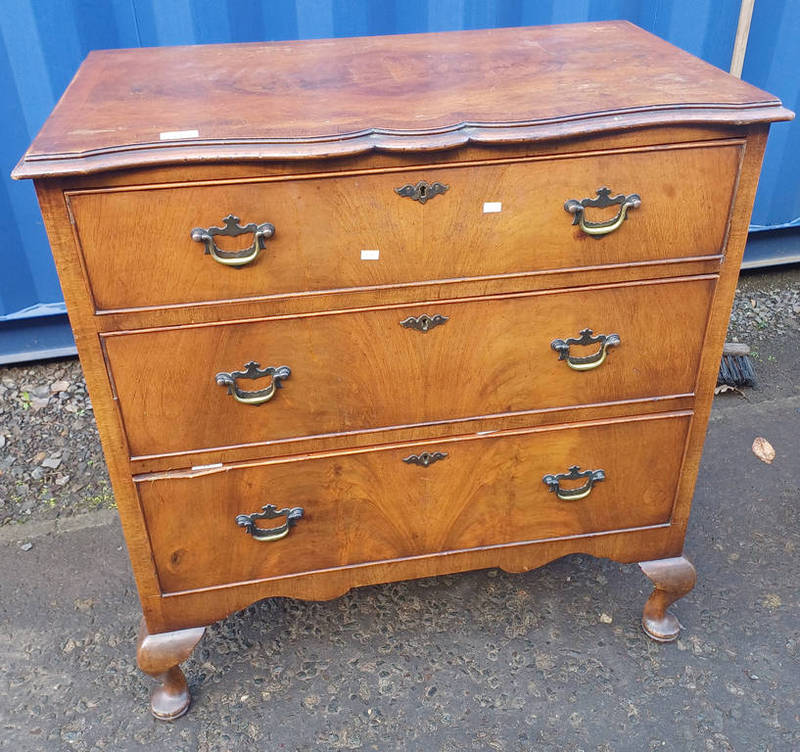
{"x": 422, "y": 191}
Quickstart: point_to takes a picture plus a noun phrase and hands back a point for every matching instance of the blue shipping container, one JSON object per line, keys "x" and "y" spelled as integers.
{"x": 42, "y": 43}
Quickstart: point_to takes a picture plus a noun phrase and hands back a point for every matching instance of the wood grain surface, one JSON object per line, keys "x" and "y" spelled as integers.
{"x": 364, "y": 370}
{"x": 372, "y": 506}
{"x": 588, "y": 142}
{"x": 718, "y": 326}
{"x": 159, "y": 655}
{"x": 344, "y": 96}
{"x": 206, "y": 605}
{"x": 525, "y": 117}
{"x": 143, "y": 466}
{"x": 323, "y": 224}
{"x": 143, "y": 317}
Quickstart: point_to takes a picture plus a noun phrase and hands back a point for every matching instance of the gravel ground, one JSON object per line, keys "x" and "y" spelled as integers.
{"x": 766, "y": 316}
{"x": 763, "y": 310}
{"x": 50, "y": 458}
{"x": 51, "y": 464}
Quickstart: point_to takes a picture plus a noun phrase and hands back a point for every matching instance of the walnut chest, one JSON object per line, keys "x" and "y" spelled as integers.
{"x": 354, "y": 311}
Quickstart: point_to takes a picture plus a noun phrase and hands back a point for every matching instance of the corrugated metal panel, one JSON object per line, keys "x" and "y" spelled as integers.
{"x": 773, "y": 63}
{"x": 42, "y": 43}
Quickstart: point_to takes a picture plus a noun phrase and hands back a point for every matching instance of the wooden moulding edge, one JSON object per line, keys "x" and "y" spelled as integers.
{"x": 376, "y": 140}
{"x": 392, "y": 445}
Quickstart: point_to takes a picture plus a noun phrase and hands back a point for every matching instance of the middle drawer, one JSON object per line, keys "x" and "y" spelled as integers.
{"x": 179, "y": 391}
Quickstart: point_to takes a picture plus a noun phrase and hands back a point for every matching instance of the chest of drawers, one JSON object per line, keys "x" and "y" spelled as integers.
{"x": 365, "y": 310}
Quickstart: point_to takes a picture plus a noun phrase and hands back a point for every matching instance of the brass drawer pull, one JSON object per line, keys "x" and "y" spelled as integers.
{"x": 269, "y": 512}
{"x": 575, "y": 473}
{"x": 604, "y": 199}
{"x": 233, "y": 229}
{"x": 254, "y": 371}
{"x": 585, "y": 363}
{"x": 424, "y": 323}
{"x": 425, "y": 459}
{"x": 422, "y": 191}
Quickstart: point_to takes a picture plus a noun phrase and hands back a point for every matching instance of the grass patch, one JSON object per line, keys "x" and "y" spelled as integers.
{"x": 104, "y": 499}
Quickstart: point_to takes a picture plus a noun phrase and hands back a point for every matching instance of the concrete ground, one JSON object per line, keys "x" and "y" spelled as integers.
{"x": 550, "y": 660}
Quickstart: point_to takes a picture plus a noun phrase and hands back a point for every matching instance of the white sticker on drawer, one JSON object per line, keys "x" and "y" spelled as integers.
{"x": 370, "y": 255}
{"x": 175, "y": 135}
{"x": 492, "y": 207}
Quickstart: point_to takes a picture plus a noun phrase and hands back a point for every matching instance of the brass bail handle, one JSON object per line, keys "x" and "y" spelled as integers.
{"x": 585, "y": 363}
{"x": 553, "y": 483}
{"x": 252, "y": 370}
{"x": 269, "y": 512}
{"x": 604, "y": 199}
{"x": 233, "y": 229}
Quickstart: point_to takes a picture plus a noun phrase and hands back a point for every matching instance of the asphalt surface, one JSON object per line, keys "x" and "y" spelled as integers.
{"x": 553, "y": 659}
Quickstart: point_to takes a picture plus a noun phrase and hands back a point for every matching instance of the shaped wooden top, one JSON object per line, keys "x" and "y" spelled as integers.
{"x": 320, "y": 98}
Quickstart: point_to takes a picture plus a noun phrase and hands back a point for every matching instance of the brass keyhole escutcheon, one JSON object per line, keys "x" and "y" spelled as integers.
{"x": 422, "y": 191}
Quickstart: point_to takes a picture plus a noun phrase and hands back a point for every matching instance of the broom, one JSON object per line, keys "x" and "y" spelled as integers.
{"x": 736, "y": 368}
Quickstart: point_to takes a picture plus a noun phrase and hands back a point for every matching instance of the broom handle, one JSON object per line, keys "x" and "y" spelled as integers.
{"x": 742, "y": 33}
{"x": 735, "y": 348}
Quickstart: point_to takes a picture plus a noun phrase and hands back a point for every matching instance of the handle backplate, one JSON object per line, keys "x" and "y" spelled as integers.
{"x": 553, "y": 482}
{"x": 604, "y": 199}
{"x": 252, "y": 370}
{"x": 233, "y": 229}
{"x": 587, "y": 362}
{"x": 269, "y": 512}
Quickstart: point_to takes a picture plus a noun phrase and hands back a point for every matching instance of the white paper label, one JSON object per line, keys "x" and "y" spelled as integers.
{"x": 492, "y": 207}
{"x": 370, "y": 255}
{"x": 175, "y": 135}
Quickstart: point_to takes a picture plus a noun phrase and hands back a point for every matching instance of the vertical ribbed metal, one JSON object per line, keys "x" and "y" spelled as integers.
{"x": 42, "y": 43}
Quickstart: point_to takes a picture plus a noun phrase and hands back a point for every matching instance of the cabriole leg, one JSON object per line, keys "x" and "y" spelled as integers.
{"x": 672, "y": 579}
{"x": 159, "y": 655}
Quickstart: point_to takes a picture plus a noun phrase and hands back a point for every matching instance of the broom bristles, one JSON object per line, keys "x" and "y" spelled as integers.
{"x": 736, "y": 370}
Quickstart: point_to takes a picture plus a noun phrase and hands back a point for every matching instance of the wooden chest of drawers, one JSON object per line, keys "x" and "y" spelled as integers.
{"x": 364, "y": 310}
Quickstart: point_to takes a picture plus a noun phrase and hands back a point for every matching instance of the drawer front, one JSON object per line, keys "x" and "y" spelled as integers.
{"x": 138, "y": 247}
{"x": 374, "y": 506}
{"x": 363, "y": 370}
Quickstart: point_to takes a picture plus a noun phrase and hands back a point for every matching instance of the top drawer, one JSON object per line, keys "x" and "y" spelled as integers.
{"x": 138, "y": 247}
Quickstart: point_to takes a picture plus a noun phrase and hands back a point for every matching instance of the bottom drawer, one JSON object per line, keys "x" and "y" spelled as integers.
{"x": 376, "y": 504}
